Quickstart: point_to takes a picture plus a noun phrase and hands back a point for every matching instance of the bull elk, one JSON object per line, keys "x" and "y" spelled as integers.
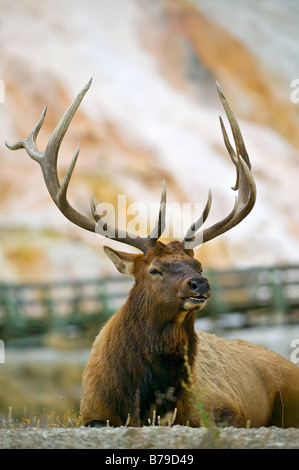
{"x": 148, "y": 358}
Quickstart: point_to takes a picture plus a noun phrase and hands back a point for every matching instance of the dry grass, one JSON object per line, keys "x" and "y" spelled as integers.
{"x": 40, "y": 395}
{"x": 47, "y": 419}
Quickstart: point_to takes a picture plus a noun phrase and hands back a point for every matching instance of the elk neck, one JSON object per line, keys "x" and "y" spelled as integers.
{"x": 158, "y": 348}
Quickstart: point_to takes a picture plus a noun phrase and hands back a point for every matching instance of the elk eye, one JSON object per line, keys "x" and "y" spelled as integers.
{"x": 154, "y": 272}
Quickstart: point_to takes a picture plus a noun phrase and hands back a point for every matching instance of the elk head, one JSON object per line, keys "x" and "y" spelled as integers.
{"x": 171, "y": 270}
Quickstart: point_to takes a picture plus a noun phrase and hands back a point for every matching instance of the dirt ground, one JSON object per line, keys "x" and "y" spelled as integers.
{"x": 151, "y": 437}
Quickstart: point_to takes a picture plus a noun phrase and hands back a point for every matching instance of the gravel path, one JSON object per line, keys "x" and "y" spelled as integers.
{"x": 152, "y": 437}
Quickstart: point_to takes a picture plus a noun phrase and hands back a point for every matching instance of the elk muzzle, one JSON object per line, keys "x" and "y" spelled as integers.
{"x": 194, "y": 292}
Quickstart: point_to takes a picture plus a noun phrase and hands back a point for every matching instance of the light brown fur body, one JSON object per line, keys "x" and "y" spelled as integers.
{"x": 251, "y": 386}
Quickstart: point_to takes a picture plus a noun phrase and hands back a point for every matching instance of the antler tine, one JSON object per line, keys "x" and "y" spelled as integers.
{"x": 142, "y": 243}
{"x": 29, "y": 144}
{"x": 200, "y": 221}
{"x": 160, "y": 226}
{"x": 59, "y": 132}
{"x": 245, "y": 184}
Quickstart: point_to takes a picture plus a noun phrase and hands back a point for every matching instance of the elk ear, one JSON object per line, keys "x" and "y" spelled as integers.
{"x": 123, "y": 261}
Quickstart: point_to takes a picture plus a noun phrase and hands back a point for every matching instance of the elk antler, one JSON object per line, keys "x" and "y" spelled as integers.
{"x": 58, "y": 191}
{"x": 245, "y": 186}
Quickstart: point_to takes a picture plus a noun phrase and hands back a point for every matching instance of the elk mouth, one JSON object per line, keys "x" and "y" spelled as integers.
{"x": 194, "y": 302}
{"x": 196, "y": 299}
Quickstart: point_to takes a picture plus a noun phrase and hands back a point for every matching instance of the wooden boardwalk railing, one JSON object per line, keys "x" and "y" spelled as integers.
{"x": 275, "y": 288}
{"x": 27, "y": 309}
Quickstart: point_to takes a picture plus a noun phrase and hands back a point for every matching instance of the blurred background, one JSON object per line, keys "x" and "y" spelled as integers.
{"x": 151, "y": 113}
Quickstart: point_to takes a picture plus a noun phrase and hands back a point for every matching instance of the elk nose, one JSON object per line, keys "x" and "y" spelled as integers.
{"x": 200, "y": 286}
